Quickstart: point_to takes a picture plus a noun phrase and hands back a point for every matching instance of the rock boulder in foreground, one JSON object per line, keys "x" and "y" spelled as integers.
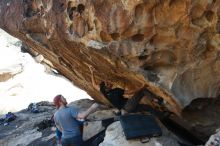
{"x": 24, "y": 130}
{"x": 171, "y": 47}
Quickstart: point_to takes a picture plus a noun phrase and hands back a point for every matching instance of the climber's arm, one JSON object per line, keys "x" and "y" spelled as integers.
{"x": 84, "y": 114}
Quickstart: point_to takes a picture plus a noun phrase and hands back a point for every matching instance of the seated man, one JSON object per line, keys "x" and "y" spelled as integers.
{"x": 66, "y": 121}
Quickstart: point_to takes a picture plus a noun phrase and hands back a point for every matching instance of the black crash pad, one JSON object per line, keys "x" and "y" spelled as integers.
{"x": 139, "y": 126}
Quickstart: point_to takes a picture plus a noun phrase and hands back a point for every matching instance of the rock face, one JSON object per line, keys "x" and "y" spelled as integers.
{"x": 171, "y": 47}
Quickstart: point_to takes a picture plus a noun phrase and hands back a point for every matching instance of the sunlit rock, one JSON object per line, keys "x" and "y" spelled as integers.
{"x": 171, "y": 47}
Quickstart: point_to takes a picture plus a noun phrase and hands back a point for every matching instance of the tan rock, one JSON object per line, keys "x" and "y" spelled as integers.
{"x": 6, "y": 74}
{"x": 132, "y": 40}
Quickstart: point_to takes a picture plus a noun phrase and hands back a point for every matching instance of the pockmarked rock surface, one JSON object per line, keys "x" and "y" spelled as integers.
{"x": 171, "y": 47}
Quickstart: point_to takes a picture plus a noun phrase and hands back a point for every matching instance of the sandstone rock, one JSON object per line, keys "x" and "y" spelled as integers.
{"x": 26, "y": 49}
{"x": 171, "y": 47}
{"x": 6, "y": 74}
{"x": 115, "y": 137}
{"x": 91, "y": 129}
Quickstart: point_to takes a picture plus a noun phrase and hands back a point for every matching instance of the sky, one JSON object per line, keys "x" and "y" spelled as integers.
{"x": 33, "y": 84}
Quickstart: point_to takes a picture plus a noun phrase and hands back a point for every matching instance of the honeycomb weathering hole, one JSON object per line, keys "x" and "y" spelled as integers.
{"x": 138, "y": 37}
{"x": 32, "y": 8}
{"x": 115, "y": 36}
{"x": 139, "y": 10}
{"x": 209, "y": 15}
{"x": 80, "y": 8}
{"x": 71, "y": 29}
{"x": 71, "y": 9}
{"x": 70, "y": 12}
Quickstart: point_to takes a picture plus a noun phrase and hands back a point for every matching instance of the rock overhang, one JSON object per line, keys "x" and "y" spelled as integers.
{"x": 170, "y": 47}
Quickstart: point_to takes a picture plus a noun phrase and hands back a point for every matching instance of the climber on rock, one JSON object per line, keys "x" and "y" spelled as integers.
{"x": 66, "y": 121}
{"x": 116, "y": 95}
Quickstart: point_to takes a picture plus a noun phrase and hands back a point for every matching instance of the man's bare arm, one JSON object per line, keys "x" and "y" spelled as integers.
{"x": 83, "y": 115}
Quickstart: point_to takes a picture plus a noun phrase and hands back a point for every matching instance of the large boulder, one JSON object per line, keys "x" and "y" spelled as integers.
{"x": 170, "y": 47}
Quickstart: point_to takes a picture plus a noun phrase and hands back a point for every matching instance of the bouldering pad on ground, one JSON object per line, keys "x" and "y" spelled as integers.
{"x": 139, "y": 126}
